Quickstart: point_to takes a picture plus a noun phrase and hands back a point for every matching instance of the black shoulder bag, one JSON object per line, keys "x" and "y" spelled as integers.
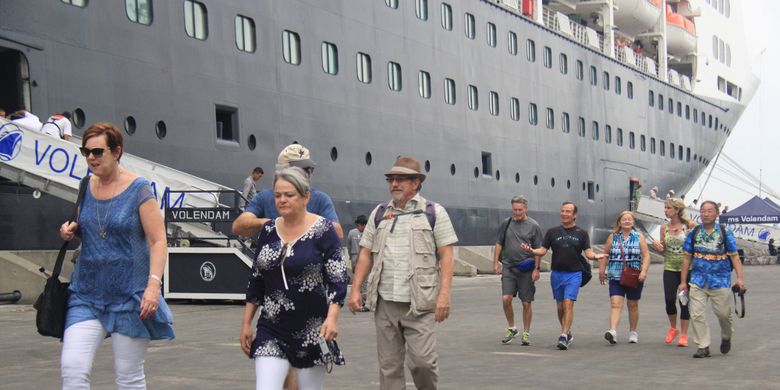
{"x": 587, "y": 273}
{"x": 52, "y": 304}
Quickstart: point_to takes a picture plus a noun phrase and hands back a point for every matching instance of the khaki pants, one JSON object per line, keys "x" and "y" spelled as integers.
{"x": 721, "y": 305}
{"x": 398, "y": 333}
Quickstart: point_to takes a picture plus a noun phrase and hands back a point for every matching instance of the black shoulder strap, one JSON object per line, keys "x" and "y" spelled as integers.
{"x": 430, "y": 213}
{"x": 59, "y": 129}
{"x": 61, "y": 255}
{"x": 723, "y": 237}
{"x": 506, "y": 223}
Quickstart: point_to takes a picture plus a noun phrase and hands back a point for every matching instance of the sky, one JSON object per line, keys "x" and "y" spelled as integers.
{"x": 755, "y": 140}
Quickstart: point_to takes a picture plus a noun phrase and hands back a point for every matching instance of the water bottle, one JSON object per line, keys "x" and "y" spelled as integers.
{"x": 683, "y": 297}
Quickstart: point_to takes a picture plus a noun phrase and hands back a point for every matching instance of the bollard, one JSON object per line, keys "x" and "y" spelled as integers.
{"x": 11, "y": 297}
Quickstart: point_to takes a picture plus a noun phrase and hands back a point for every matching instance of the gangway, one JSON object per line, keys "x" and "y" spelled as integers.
{"x": 55, "y": 166}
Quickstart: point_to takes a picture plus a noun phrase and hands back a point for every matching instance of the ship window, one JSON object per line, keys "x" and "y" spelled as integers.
{"x": 703, "y": 119}
{"x": 581, "y": 126}
{"x": 514, "y": 108}
{"x": 79, "y": 117}
{"x": 650, "y": 98}
{"x": 618, "y": 86}
{"x": 568, "y": 184}
{"x": 652, "y": 145}
{"x": 77, "y": 3}
{"x": 512, "y": 43}
{"x": 532, "y": 119}
{"x": 728, "y": 8}
{"x": 619, "y": 141}
{"x": 446, "y": 16}
{"x": 580, "y": 71}
{"x": 630, "y": 90}
{"x": 227, "y": 123}
{"x": 392, "y": 3}
{"x": 130, "y": 125}
{"x": 716, "y": 123}
{"x": 593, "y": 76}
{"x": 330, "y": 58}
{"x": 473, "y": 97}
{"x": 606, "y": 81}
{"x": 334, "y": 154}
{"x": 671, "y": 150}
{"x": 594, "y": 128}
{"x": 491, "y": 35}
{"x": 536, "y": 179}
{"x": 161, "y": 129}
{"x": 552, "y": 182}
{"x": 452, "y": 169}
{"x": 710, "y": 121}
{"x": 530, "y": 50}
{"x": 493, "y": 103}
{"x": 714, "y": 47}
{"x": 421, "y": 9}
{"x": 517, "y": 177}
{"x": 424, "y": 81}
{"x": 245, "y": 34}
{"x": 564, "y": 63}
{"x": 608, "y": 134}
{"x": 721, "y": 51}
{"x": 364, "y": 67}
{"x": 642, "y": 143}
{"x": 291, "y": 47}
{"x": 195, "y": 20}
{"x": 487, "y": 164}
{"x": 687, "y": 112}
{"x": 591, "y": 193}
{"x": 550, "y": 118}
{"x": 680, "y": 152}
{"x": 139, "y": 11}
{"x": 449, "y": 91}
{"x": 469, "y": 28}
{"x": 679, "y": 109}
{"x": 498, "y": 175}
{"x": 251, "y": 142}
{"x": 728, "y": 55}
{"x": 394, "y": 76}
{"x": 547, "y": 57}
{"x": 695, "y": 115}
{"x": 688, "y": 155}
{"x": 662, "y": 148}
{"x": 369, "y": 158}
{"x": 660, "y": 102}
{"x": 671, "y": 106}
{"x": 631, "y": 140}
{"x": 565, "y": 126}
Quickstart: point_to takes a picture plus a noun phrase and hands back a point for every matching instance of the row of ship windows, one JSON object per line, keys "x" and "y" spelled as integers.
{"x": 706, "y": 120}
{"x": 722, "y": 6}
{"x": 721, "y": 51}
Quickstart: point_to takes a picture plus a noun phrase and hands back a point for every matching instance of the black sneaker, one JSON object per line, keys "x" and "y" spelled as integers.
{"x": 725, "y": 346}
{"x": 563, "y": 343}
{"x": 702, "y": 352}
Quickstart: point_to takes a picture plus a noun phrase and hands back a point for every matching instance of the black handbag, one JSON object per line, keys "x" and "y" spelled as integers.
{"x": 52, "y": 304}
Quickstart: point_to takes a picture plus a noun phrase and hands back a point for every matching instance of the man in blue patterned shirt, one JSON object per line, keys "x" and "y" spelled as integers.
{"x": 713, "y": 251}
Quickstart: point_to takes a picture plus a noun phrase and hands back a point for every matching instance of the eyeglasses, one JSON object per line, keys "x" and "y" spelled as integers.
{"x": 97, "y": 152}
{"x": 399, "y": 179}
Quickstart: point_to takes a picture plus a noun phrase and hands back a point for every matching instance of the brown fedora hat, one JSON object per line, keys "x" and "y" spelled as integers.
{"x": 406, "y": 166}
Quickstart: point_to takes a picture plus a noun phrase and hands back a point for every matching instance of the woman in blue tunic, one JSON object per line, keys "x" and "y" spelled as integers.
{"x": 115, "y": 285}
{"x": 299, "y": 279}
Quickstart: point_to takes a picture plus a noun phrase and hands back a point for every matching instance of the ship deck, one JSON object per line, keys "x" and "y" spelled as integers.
{"x": 206, "y": 353}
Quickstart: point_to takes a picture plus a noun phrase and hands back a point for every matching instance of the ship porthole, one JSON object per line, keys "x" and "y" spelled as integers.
{"x": 597, "y": 188}
{"x": 498, "y": 175}
{"x": 536, "y": 180}
{"x": 476, "y": 171}
{"x": 334, "y": 154}
{"x": 130, "y": 125}
{"x": 583, "y": 186}
{"x": 369, "y": 159}
{"x": 452, "y": 169}
{"x": 568, "y": 184}
{"x": 251, "y": 142}
{"x": 427, "y": 165}
{"x": 552, "y": 182}
{"x": 161, "y": 129}
{"x": 79, "y": 118}
{"x": 517, "y": 177}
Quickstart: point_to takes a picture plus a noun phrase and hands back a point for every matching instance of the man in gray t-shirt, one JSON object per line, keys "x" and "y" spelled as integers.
{"x": 519, "y": 229}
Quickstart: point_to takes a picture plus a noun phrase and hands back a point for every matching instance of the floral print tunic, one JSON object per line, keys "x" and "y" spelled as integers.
{"x": 294, "y": 283}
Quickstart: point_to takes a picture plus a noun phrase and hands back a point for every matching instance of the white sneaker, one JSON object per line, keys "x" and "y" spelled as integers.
{"x": 633, "y": 337}
{"x": 611, "y": 336}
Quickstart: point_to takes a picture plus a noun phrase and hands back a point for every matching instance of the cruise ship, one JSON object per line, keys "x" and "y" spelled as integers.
{"x": 558, "y": 100}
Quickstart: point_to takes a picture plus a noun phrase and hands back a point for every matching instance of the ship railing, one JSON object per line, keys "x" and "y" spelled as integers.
{"x": 549, "y": 19}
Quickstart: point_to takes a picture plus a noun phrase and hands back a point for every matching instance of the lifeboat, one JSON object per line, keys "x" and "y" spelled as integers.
{"x": 636, "y": 16}
{"x": 680, "y": 34}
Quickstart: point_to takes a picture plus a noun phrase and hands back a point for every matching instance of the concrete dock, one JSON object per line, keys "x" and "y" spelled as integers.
{"x": 206, "y": 353}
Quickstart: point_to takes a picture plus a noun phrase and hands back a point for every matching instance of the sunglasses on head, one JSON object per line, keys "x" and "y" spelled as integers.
{"x": 97, "y": 152}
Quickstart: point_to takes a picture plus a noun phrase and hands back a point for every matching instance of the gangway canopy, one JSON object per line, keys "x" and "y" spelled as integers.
{"x": 755, "y": 210}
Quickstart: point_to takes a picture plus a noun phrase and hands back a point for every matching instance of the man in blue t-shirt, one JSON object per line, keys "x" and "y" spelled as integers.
{"x": 262, "y": 206}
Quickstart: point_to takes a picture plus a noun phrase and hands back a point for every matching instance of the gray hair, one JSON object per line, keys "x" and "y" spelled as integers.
{"x": 520, "y": 199}
{"x": 295, "y": 176}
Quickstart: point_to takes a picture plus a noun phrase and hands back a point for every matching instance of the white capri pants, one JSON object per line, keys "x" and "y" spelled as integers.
{"x": 79, "y": 346}
{"x": 271, "y": 372}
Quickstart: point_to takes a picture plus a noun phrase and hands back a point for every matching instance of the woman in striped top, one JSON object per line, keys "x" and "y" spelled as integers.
{"x": 626, "y": 247}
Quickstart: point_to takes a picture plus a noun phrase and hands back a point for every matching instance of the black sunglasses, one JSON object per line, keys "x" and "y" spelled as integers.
{"x": 97, "y": 152}
{"x": 399, "y": 179}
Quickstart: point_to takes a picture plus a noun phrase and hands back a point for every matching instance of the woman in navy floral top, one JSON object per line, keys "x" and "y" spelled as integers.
{"x": 299, "y": 280}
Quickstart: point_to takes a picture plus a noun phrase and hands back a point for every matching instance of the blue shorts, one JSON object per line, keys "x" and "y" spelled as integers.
{"x": 565, "y": 285}
{"x": 632, "y": 294}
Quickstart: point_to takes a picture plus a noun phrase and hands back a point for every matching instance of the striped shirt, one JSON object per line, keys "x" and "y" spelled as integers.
{"x": 631, "y": 249}
{"x": 394, "y": 279}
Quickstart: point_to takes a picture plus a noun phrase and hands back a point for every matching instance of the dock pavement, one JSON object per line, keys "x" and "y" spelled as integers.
{"x": 206, "y": 353}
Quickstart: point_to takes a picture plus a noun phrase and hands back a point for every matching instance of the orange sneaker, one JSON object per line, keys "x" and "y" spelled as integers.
{"x": 683, "y": 342}
{"x": 671, "y": 335}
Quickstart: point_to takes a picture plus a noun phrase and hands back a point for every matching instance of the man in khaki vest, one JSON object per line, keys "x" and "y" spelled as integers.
{"x": 408, "y": 288}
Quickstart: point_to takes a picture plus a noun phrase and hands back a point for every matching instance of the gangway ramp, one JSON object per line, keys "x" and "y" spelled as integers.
{"x": 55, "y": 166}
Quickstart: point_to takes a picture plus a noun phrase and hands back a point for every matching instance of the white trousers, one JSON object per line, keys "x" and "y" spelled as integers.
{"x": 79, "y": 346}
{"x": 271, "y": 372}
